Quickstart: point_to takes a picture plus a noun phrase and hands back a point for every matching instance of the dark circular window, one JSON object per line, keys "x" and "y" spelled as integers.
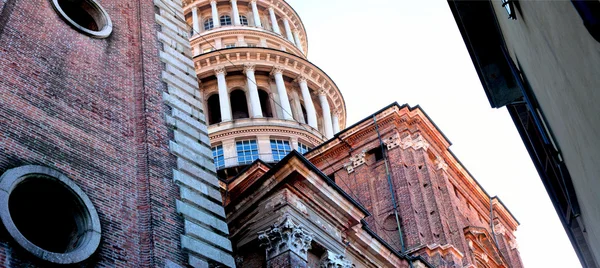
{"x": 86, "y": 16}
{"x": 48, "y": 214}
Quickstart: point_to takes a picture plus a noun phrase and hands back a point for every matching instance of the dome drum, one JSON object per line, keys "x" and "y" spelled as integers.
{"x": 275, "y": 17}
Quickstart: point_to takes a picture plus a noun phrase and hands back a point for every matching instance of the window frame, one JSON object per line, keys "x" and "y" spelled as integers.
{"x": 279, "y": 149}
{"x": 218, "y": 156}
{"x": 209, "y": 24}
{"x": 246, "y": 156}
{"x": 225, "y": 20}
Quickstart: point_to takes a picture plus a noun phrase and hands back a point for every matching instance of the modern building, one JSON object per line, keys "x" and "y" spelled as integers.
{"x": 540, "y": 61}
{"x": 169, "y": 134}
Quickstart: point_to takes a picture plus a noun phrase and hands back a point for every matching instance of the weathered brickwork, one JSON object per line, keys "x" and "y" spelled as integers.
{"x": 94, "y": 109}
{"x": 437, "y": 200}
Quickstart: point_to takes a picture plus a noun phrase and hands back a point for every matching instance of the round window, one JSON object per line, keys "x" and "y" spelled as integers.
{"x": 86, "y": 16}
{"x": 48, "y": 215}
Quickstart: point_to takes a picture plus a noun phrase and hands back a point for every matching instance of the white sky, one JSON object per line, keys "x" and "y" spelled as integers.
{"x": 381, "y": 51}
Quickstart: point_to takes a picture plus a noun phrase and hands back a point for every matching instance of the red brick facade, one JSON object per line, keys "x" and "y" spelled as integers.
{"x": 92, "y": 109}
{"x": 438, "y": 201}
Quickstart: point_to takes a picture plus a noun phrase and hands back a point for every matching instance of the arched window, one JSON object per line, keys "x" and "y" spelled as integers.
{"x": 265, "y": 103}
{"x": 243, "y": 20}
{"x": 214, "y": 109}
{"x": 239, "y": 105}
{"x": 225, "y": 20}
{"x": 208, "y": 24}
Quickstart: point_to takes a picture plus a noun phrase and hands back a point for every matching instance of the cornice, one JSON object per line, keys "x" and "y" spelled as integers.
{"x": 254, "y": 130}
{"x": 234, "y": 31}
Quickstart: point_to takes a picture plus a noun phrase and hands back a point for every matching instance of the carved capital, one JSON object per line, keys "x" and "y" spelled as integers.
{"x": 277, "y": 70}
{"x": 332, "y": 260}
{"x": 349, "y": 167}
{"x": 419, "y": 142}
{"x": 392, "y": 141}
{"x": 220, "y": 70}
{"x": 322, "y": 92}
{"x": 440, "y": 163}
{"x": 249, "y": 67}
{"x": 285, "y": 236}
{"x": 213, "y": 2}
{"x": 499, "y": 227}
{"x": 301, "y": 79}
{"x": 358, "y": 159}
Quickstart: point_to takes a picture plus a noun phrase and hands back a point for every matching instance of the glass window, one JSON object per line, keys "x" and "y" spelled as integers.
{"x": 218, "y": 156}
{"x": 208, "y": 24}
{"x": 247, "y": 151}
{"x": 243, "y": 20}
{"x": 229, "y": 45}
{"x": 303, "y": 148}
{"x": 251, "y": 45}
{"x": 225, "y": 20}
{"x": 280, "y": 149}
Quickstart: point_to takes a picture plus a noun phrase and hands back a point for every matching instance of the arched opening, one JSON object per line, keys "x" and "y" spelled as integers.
{"x": 265, "y": 103}
{"x": 239, "y": 104}
{"x": 243, "y": 20}
{"x": 208, "y": 24}
{"x": 85, "y": 15}
{"x": 225, "y": 20}
{"x": 214, "y": 109}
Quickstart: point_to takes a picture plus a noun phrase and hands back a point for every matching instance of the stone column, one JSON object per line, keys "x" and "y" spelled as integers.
{"x": 288, "y": 30}
{"x": 298, "y": 40}
{"x": 253, "y": 91}
{"x": 311, "y": 113}
{"x": 195, "y": 20}
{"x": 257, "y": 22}
{"x": 332, "y": 260}
{"x": 215, "y": 13}
{"x": 326, "y": 114}
{"x": 274, "y": 20}
{"x": 236, "y": 13}
{"x": 284, "y": 100}
{"x": 286, "y": 244}
{"x": 335, "y": 118}
{"x": 223, "y": 94}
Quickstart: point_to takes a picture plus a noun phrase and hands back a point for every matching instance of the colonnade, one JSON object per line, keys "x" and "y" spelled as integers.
{"x": 292, "y": 35}
{"x": 331, "y": 122}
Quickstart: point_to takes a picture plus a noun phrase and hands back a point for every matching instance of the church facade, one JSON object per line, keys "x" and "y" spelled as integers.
{"x": 198, "y": 134}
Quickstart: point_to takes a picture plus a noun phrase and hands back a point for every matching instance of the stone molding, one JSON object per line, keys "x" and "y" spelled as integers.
{"x": 285, "y": 236}
{"x": 249, "y": 67}
{"x": 392, "y": 141}
{"x": 205, "y": 236}
{"x": 356, "y": 161}
{"x": 332, "y": 260}
{"x": 220, "y": 70}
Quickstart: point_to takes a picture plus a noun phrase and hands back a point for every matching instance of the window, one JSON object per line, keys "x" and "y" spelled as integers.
{"x": 229, "y": 45}
{"x": 218, "y": 156}
{"x": 225, "y": 20}
{"x": 208, "y": 24}
{"x": 280, "y": 149}
{"x": 375, "y": 154}
{"x": 59, "y": 225}
{"x": 86, "y": 16}
{"x": 214, "y": 109}
{"x": 251, "y": 45}
{"x": 244, "y": 20}
{"x": 247, "y": 151}
{"x": 303, "y": 148}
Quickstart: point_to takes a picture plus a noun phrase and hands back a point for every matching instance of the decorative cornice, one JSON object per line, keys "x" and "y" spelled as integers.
{"x": 283, "y": 129}
{"x": 285, "y": 236}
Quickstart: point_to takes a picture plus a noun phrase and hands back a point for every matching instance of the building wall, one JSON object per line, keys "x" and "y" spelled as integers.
{"x": 101, "y": 112}
{"x": 436, "y": 201}
{"x": 560, "y": 61}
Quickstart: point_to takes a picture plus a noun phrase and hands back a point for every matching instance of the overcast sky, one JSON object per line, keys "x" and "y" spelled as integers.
{"x": 380, "y": 51}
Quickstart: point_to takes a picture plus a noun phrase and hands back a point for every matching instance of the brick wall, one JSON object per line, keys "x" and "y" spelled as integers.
{"x": 92, "y": 109}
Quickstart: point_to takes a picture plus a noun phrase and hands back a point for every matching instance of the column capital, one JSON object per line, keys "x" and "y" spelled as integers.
{"x": 213, "y": 2}
{"x": 322, "y": 92}
{"x": 285, "y": 236}
{"x": 253, "y": 1}
{"x": 249, "y": 67}
{"x": 233, "y": 1}
{"x": 301, "y": 79}
{"x": 332, "y": 260}
{"x": 277, "y": 70}
{"x": 271, "y": 8}
{"x": 220, "y": 70}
